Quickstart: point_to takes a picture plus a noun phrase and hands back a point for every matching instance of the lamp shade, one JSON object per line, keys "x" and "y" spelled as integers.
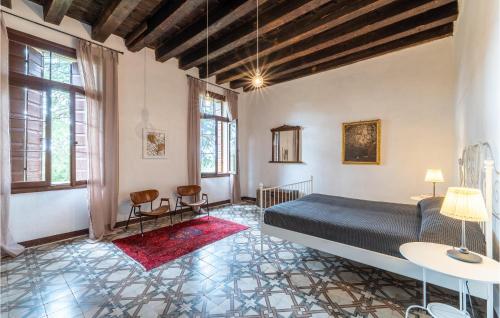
{"x": 465, "y": 204}
{"x": 434, "y": 175}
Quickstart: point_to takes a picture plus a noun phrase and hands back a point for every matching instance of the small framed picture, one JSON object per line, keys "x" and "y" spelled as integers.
{"x": 361, "y": 142}
{"x": 154, "y": 144}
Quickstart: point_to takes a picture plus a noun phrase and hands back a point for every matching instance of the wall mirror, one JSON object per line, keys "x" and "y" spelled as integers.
{"x": 286, "y": 144}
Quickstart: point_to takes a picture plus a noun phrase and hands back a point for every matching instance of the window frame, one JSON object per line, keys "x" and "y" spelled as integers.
{"x": 218, "y": 119}
{"x": 235, "y": 171}
{"x": 45, "y": 85}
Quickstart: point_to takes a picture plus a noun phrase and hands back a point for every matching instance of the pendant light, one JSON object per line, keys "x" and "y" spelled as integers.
{"x": 257, "y": 80}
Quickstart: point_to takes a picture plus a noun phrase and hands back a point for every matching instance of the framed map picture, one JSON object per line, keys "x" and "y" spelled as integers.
{"x": 361, "y": 142}
{"x": 154, "y": 143}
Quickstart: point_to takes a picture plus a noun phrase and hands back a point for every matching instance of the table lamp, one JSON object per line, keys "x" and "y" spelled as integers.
{"x": 434, "y": 176}
{"x": 465, "y": 204}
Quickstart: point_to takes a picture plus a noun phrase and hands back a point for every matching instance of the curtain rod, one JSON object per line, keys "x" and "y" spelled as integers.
{"x": 202, "y": 80}
{"x": 57, "y": 30}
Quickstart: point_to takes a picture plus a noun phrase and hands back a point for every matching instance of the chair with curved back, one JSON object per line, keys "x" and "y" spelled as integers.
{"x": 148, "y": 196}
{"x": 193, "y": 192}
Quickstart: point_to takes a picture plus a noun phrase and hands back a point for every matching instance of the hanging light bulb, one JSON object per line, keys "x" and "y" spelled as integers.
{"x": 207, "y": 94}
{"x": 257, "y": 79}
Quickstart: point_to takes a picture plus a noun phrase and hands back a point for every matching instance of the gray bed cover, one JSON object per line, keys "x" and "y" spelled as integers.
{"x": 376, "y": 226}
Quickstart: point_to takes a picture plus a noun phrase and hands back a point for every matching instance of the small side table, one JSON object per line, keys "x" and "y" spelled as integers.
{"x": 432, "y": 256}
{"x": 420, "y": 197}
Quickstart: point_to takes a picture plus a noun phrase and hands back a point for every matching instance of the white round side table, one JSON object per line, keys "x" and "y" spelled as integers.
{"x": 432, "y": 256}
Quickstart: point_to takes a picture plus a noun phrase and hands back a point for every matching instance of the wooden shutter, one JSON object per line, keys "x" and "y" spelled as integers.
{"x": 27, "y": 131}
{"x": 35, "y": 135}
{"x": 17, "y": 57}
{"x": 17, "y": 132}
{"x": 81, "y": 145}
{"x": 35, "y": 62}
{"x": 75, "y": 75}
{"x": 25, "y": 59}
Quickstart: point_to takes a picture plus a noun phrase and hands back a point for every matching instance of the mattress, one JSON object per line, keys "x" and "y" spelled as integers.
{"x": 377, "y": 226}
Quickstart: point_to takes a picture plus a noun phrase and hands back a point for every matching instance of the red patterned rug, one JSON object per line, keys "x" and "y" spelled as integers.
{"x": 168, "y": 243}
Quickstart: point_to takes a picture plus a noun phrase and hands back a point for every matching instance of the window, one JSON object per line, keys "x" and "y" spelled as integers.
{"x": 47, "y": 116}
{"x": 218, "y": 137}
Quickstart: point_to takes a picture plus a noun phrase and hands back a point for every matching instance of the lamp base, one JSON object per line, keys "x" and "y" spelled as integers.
{"x": 464, "y": 255}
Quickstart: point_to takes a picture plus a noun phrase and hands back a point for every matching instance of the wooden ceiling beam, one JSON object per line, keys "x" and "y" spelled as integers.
{"x": 278, "y": 16}
{"x": 425, "y": 21}
{"x": 219, "y": 18}
{"x": 371, "y": 21}
{"x": 55, "y": 10}
{"x": 113, "y": 16}
{"x": 308, "y": 26}
{"x": 163, "y": 21}
{"x": 6, "y": 3}
{"x": 410, "y": 41}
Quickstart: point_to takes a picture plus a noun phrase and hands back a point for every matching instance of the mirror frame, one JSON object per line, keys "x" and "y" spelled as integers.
{"x": 277, "y": 130}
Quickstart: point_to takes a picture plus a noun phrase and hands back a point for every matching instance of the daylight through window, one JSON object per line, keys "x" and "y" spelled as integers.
{"x": 218, "y": 137}
{"x": 47, "y": 116}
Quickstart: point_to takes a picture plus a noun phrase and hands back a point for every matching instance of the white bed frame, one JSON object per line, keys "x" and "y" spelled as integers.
{"x": 476, "y": 170}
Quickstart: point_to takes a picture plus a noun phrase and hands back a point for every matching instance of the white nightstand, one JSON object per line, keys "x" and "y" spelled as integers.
{"x": 420, "y": 197}
{"x": 432, "y": 256}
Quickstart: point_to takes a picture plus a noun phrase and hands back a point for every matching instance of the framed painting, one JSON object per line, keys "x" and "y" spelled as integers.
{"x": 154, "y": 144}
{"x": 361, "y": 142}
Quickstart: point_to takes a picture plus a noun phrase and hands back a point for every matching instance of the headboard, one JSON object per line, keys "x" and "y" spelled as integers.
{"x": 477, "y": 170}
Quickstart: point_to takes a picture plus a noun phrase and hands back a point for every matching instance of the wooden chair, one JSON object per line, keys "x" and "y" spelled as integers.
{"x": 191, "y": 191}
{"x": 148, "y": 196}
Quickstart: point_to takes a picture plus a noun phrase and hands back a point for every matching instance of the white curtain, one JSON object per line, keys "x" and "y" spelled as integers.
{"x": 98, "y": 67}
{"x": 234, "y": 179}
{"x": 195, "y": 89}
{"x": 8, "y": 245}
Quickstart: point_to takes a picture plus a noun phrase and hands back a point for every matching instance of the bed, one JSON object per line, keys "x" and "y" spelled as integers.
{"x": 370, "y": 232}
{"x": 376, "y": 226}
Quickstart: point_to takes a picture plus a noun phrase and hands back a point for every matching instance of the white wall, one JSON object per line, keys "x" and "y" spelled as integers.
{"x": 411, "y": 91}
{"x": 165, "y": 107}
{"x": 477, "y": 97}
{"x": 42, "y": 214}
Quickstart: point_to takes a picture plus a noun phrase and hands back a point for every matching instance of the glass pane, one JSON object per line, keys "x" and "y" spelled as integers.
{"x": 46, "y": 64}
{"x": 81, "y": 150}
{"x": 223, "y": 147}
{"x": 207, "y": 145}
{"x": 207, "y": 105}
{"x": 287, "y": 145}
{"x": 28, "y": 111}
{"x": 61, "y": 136}
{"x": 217, "y": 107}
{"x": 233, "y": 146}
{"x": 42, "y": 63}
{"x": 51, "y": 66}
{"x": 60, "y": 68}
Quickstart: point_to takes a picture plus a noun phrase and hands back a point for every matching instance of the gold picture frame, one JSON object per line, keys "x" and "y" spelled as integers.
{"x": 361, "y": 142}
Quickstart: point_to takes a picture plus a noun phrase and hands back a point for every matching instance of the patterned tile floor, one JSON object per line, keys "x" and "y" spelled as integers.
{"x": 228, "y": 278}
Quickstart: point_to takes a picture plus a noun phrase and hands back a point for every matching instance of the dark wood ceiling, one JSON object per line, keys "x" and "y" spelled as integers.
{"x": 297, "y": 37}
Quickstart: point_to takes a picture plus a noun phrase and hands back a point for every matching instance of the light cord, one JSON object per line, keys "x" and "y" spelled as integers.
{"x": 207, "y": 42}
{"x": 258, "y": 70}
{"x": 145, "y": 77}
